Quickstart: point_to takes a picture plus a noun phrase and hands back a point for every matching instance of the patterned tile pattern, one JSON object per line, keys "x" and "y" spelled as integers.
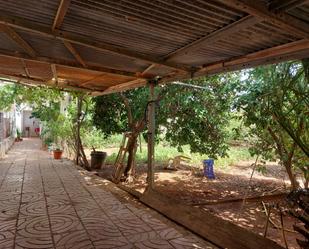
{"x": 46, "y": 203}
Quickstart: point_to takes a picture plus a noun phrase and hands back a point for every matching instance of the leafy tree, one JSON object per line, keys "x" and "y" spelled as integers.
{"x": 274, "y": 101}
{"x": 184, "y": 115}
{"x": 20, "y": 94}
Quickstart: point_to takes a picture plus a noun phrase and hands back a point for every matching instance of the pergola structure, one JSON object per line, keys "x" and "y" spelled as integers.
{"x": 108, "y": 46}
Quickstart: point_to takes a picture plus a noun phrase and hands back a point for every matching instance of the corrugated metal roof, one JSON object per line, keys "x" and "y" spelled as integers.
{"x": 123, "y": 40}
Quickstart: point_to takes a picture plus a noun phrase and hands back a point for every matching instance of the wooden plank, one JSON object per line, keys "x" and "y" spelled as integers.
{"x": 264, "y": 54}
{"x": 21, "y": 78}
{"x": 286, "y": 5}
{"x": 36, "y": 28}
{"x": 62, "y": 10}
{"x": 224, "y": 32}
{"x": 41, "y": 82}
{"x": 289, "y": 51}
{"x": 86, "y": 82}
{"x": 151, "y": 137}
{"x": 280, "y": 19}
{"x": 74, "y": 52}
{"x": 18, "y": 39}
{"x": 69, "y": 64}
{"x": 223, "y": 233}
{"x": 122, "y": 87}
{"x": 248, "y": 199}
{"x": 148, "y": 69}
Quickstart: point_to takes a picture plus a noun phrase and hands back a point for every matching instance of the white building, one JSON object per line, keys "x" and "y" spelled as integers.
{"x": 7, "y": 130}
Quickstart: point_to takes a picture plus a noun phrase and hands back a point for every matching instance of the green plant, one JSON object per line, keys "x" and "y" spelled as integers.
{"x": 274, "y": 102}
{"x": 184, "y": 116}
{"x": 18, "y": 133}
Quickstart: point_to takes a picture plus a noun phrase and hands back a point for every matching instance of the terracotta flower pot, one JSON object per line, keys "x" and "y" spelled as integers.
{"x": 57, "y": 154}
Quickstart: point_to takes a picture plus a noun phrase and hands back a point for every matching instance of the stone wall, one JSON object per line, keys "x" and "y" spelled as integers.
{"x": 1, "y": 127}
{"x": 5, "y": 145}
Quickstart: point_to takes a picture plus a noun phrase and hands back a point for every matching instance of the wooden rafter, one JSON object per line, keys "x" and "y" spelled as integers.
{"x": 22, "y": 78}
{"x": 239, "y": 25}
{"x": 74, "y": 52}
{"x": 145, "y": 72}
{"x": 62, "y": 10}
{"x": 40, "y": 82}
{"x": 281, "y": 20}
{"x": 18, "y": 39}
{"x": 290, "y": 51}
{"x": 33, "y": 27}
{"x": 66, "y": 63}
{"x": 265, "y": 54}
{"x": 122, "y": 87}
{"x": 285, "y": 5}
{"x": 87, "y": 82}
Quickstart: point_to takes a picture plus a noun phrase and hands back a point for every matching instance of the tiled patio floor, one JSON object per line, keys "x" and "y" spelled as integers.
{"x": 45, "y": 203}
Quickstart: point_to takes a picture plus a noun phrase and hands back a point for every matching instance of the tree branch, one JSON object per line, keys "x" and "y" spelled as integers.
{"x": 129, "y": 110}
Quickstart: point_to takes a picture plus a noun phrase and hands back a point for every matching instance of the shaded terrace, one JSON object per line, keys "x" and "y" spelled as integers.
{"x": 103, "y": 47}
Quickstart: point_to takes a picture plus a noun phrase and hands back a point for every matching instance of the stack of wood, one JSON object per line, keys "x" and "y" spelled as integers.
{"x": 299, "y": 208}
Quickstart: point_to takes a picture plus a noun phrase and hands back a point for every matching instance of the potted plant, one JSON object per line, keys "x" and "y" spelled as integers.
{"x": 57, "y": 153}
{"x": 47, "y": 143}
{"x": 18, "y": 136}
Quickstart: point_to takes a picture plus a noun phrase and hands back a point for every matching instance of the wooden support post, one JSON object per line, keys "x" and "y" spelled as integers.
{"x": 77, "y": 137}
{"x": 151, "y": 134}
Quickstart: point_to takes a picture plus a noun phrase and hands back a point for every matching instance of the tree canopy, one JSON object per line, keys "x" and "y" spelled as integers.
{"x": 184, "y": 115}
{"x": 274, "y": 102}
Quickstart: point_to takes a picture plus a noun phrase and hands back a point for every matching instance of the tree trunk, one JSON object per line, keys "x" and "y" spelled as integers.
{"x": 132, "y": 143}
{"x": 285, "y": 157}
{"x": 77, "y": 137}
{"x": 288, "y": 167}
{"x": 79, "y": 147}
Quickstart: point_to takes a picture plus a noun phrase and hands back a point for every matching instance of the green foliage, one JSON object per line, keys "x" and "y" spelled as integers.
{"x": 19, "y": 94}
{"x": 199, "y": 117}
{"x": 111, "y": 114}
{"x": 164, "y": 152}
{"x": 184, "y": 116}
{"x": 18, "y": 133}
{"x": 274, "y": 102}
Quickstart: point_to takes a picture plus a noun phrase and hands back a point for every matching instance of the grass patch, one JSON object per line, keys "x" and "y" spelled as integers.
{"x": 164, "y": 152}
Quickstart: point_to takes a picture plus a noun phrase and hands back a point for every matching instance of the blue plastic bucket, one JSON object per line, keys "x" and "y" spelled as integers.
{"x": 209, "y": 168}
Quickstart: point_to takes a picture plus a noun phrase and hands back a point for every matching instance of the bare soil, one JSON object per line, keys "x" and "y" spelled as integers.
{"x": 188, "y": 185}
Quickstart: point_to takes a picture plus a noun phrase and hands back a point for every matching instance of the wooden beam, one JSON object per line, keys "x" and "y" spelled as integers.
{"x": 211, "y": 38}
{"x": 278, "y": 51}
{"x": 21, "y": 78}
{"x": 69, "y": 64}
{"x": 220, "y": 232}
{"x": 151, "y": 119}
{"x": 286, "y": 5}
{"x": 36, "y": 28}
{"x": 74, "y": 52}
{"x": 86, "y": 82}
{"x": 282, "y": 20}
{"x": 148, "y": 69}
{"x": 62, "y": 10}
{"x": 290, "y": 51}
{"x": 42, "y": 83}
{"x": 18, "y": 39}
{"x": 122, "y": 87}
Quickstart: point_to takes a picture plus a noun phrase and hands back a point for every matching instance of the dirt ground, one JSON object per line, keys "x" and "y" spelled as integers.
{"x": 192, "y": 188}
